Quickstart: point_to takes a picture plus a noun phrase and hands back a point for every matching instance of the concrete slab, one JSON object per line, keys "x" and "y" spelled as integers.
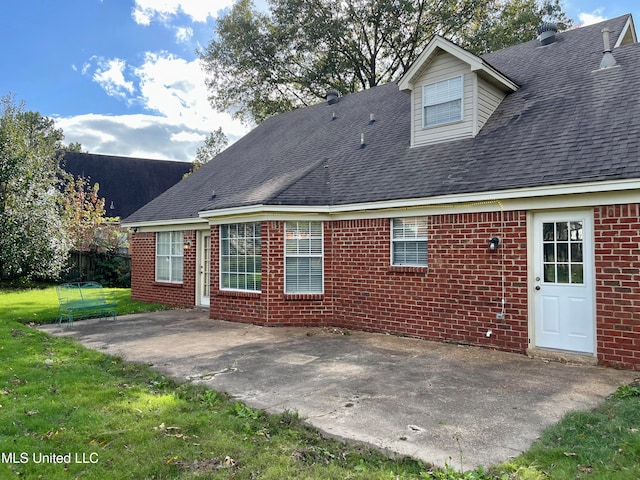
{"x": 432, "y": 401}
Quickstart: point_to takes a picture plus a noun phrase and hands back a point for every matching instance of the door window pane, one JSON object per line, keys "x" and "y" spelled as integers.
{"x": 562, "y": 256}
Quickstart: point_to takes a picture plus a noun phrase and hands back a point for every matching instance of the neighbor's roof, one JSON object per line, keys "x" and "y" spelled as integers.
{"x": 567, "y": 123}
{"x": 125, "y": 183}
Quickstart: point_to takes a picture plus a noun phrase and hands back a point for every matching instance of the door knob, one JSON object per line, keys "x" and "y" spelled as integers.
{"x": 537, "y": 287}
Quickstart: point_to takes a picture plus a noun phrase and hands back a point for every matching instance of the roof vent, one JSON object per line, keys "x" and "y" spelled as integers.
{"x": 332, "y": 96}
{"x": 607, "y": 60}
{"x": 547, "y": 33}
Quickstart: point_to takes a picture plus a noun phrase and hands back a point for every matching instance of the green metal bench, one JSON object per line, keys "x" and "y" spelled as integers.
{"x": 83, "y": 300}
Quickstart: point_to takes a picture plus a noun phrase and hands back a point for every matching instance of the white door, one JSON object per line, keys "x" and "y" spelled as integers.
{"x": 205, "y": 268}
{"x": 563, "y": 288}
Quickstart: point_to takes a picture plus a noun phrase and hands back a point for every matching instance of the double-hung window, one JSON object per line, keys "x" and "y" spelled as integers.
{"x": 442, "y": 102}
{"x": 241, "y": 257}
{"x": 409, "y": 241}
{"x": 303, "y": 257}
{"x": 169, "y": 257}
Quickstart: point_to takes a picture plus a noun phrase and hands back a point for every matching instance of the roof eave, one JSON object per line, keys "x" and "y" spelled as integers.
{"x": 272, "y": 211}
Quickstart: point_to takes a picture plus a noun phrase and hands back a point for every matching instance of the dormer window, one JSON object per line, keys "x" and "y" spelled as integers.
{"x": 442, "y": 102}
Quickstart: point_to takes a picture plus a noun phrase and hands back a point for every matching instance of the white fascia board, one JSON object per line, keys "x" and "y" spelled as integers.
{"x": 498, "y": 195}
{"x": 581, "y": 194}
{"x": 259, "y": 213}
{"x": 173, "y": 224}
{"x": 629, "y": 27}
{"x": 496, "y": 76}
{"x": 475, "y": 62}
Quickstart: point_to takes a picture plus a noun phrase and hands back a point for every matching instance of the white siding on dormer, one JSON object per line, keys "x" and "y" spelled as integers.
{"x": 443, "y": 67}
{"x": 489, "y": 97}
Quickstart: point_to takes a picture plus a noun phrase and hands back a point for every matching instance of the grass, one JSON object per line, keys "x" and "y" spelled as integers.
{"x": 58, "y": 397}
{"x": 40, "y": 305}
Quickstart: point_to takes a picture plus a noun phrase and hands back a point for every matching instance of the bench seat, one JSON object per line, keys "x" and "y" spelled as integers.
{"x": 83, "y": 300}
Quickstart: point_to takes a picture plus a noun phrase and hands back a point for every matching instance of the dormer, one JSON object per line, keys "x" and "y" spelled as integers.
{"x": 453, "y": 93}
{"x": 628, "y": 34}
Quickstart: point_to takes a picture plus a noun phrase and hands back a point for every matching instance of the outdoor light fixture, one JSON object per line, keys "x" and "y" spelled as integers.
{"x": 493, "y": 243}
{"x": 187, "y": 245}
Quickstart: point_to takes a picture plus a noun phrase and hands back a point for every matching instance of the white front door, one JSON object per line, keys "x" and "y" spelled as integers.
{"x": 563, "y": 281}
{"x": 205, "y": 268}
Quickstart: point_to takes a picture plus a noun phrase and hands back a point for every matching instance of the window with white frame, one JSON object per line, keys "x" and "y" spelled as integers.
{"x": 241, "y": 257}
{"x": 303, "y": 257}
{"x": 169, "y": 256}
{"x": 442, "y": 102}
{"x": 409, "y": 241}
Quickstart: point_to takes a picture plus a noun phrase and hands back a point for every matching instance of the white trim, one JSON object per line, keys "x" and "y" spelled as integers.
{"x": 285, "y": 256}
{"x": 200, "y": 260}
{"x": 221, "y": 273}
{"x": 475, "y": 62}
{"x": 476, "y": 98}
{"x": 170, "y": 256}
{"x": 554, "y": 196}
{"x": 588, "y": 194}
{"x": 393, "y": 240}
{"x": 625, "y": 29}
{"x": 588, "y": 261}
{"x": 156, "y": 225}
{"x": 425, "y": 105}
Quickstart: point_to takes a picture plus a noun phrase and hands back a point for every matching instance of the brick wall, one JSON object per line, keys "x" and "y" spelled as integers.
{"x": 456, "y": 298}
{"x": 617, "y": 265}
{"x": 143, "y": 285}
{"x": 271, "y": 307}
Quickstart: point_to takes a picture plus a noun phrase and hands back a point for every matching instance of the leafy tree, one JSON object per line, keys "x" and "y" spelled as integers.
{"x": 513, "y": 22}
{"x": 262, "y": 64}
{"x": 83, "y": 213}
{"x": 95, "y": 239}
{"x": 215, "y": 142}
{"x": 33, "y": 242}
{"x": 74, "y": 147}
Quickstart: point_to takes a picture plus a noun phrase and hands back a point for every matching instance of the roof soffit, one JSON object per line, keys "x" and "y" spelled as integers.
{"x": 440, "y": 44}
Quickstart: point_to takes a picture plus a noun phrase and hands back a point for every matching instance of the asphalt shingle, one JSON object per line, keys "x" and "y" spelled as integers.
{"x": 569, "y": 122}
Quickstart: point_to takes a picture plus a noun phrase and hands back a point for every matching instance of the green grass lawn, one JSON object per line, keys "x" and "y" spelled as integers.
{"x": 111, "y": 419}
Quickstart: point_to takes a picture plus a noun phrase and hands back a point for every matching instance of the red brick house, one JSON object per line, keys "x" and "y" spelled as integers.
{"x": 491, "y": 201}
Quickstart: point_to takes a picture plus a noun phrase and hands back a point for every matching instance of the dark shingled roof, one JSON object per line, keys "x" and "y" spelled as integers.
{"x": 568, "y": 123}
{"x": 125, "y": 183}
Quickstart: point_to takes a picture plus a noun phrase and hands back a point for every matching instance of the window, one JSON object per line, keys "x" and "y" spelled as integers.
{"x": 442, "y": 102}
{"x": 409, "y": 241}
{"x": 303, "y": 257}
{"x": 241, "y": 257}
{"x": 562, "y": 255}
{"x": 169, "y": 256}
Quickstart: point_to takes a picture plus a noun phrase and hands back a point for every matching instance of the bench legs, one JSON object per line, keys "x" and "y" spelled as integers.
{"x": 98, "y": 314}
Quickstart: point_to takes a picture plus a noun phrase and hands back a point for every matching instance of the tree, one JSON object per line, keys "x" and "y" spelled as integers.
{"x": 262, "y": 64}
{"x": 83, "y": 213}
{"x": 215, "y": 142}
{"x": 95, "y": 239}
{"x": 33, "y": 242}
{"x": 514, "y": 22}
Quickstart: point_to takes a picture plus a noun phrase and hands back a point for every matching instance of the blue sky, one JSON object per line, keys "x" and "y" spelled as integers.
{"x": 122, "y": 76}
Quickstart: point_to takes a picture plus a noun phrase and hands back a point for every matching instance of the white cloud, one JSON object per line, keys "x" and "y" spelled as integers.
{"x": 183, "y": 34}
{"x": 188, "y": 137}
{"x": 146, "y": 11}
{"x": 171, "y": 89}
{"x": 589, "y": 18}
{"x": 110, "y": 76}
{"x": 139, "y": 135}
